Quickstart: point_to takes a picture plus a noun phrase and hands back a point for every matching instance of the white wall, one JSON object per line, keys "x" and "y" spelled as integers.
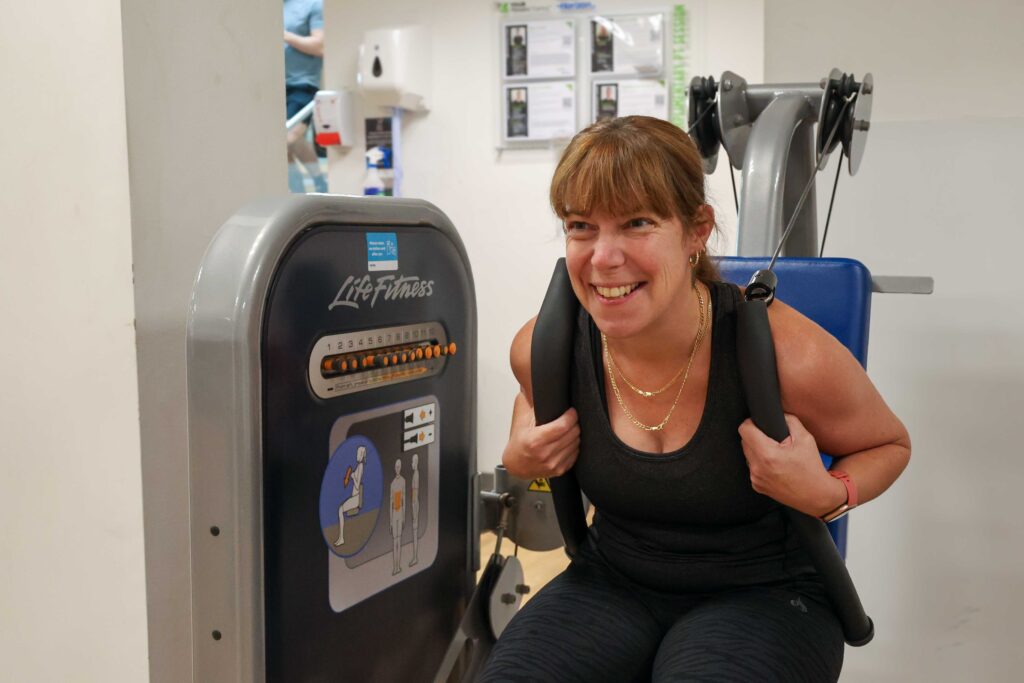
{"x": 120, "y": 163}
{"x": 72, "y": 583}
{"x": 499, "y": 202}
{"x": 939, "y": 560}
{"x": 205, "y": 107}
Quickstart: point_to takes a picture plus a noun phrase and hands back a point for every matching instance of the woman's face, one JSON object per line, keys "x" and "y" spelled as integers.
{"x": 629, "y": 271}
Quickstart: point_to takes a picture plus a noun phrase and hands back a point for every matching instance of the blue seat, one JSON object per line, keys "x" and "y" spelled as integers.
{"x": 833, "y": 292}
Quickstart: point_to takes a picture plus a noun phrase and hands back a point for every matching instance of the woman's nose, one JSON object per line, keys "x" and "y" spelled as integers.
{"x": 607, "y": 253}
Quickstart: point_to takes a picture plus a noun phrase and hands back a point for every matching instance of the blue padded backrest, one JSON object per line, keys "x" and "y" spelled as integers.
{"x": 833, "y": 292}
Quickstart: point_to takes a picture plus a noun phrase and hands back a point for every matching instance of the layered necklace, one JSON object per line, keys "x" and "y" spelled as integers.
{"x": 703, "y": 324}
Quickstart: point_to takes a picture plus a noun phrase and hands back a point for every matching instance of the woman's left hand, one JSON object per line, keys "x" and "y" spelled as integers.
{"x": 790, "y": 471}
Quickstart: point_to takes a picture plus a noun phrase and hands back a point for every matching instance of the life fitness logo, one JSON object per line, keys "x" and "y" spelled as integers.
{"x": 355, "y": 292}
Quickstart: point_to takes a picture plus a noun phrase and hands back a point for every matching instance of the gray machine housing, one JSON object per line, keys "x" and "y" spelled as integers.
{"x": 225, "y": 320}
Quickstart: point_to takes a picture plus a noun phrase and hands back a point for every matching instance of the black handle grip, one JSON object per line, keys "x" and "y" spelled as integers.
{"x": 756, "y": 360}
{"x": 550, "y": 368}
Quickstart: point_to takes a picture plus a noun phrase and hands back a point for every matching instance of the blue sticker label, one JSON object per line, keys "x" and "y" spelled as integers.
{"x": 381, "y": 251}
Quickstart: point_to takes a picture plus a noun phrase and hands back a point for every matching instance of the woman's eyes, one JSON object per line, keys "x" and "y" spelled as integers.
{"x": 582, "y": 226}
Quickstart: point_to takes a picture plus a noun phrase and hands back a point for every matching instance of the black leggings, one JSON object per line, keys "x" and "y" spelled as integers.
{"x": 589, "y": 624}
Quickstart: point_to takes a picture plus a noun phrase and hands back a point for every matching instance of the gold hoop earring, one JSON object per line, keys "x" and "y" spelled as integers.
{"x": 695, "y": 259}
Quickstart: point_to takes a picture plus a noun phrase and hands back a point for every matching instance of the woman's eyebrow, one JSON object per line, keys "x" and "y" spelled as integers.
{"x": 646, "y": 215}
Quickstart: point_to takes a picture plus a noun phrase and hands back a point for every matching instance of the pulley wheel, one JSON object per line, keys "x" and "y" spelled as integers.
{"x": 702, "y": 107}
{"x": 858, "y": 123}
{"x": 828, "y": 114}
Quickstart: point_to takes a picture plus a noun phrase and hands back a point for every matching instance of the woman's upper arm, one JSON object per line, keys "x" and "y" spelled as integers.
{"x": 825, "y": 386}
{"x": 519, "y": 357}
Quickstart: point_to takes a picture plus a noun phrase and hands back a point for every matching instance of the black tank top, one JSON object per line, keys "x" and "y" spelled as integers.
{"x": 688, "y": 520}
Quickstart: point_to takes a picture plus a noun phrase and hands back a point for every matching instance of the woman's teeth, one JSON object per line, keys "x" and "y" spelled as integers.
{"x": 616, "y": 292}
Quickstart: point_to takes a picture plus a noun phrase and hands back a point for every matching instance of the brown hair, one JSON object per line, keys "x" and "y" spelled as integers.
{"x": 632, "y": 164}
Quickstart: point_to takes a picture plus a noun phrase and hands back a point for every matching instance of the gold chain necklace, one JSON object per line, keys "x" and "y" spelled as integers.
{"x": 701, "y": 332}
{"x": 635, "y": 388}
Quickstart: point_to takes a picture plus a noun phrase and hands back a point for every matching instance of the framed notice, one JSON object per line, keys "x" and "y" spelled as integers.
{"x": 629, "y": 97}
{"x": 539, "y": 49}
{"x": 627, "y": 45}
{"x": 538, "y": 111}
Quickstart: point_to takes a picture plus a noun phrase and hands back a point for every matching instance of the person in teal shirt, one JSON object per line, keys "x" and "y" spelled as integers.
{"x": 303, "y": 61}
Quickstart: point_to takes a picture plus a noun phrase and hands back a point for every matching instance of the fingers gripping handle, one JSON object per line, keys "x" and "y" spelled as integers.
{"x": 551, "y": 365}
{"x": 756, "y": 359}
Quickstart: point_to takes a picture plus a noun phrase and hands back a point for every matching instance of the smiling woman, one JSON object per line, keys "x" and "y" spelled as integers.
{"x": 690, "y": 570}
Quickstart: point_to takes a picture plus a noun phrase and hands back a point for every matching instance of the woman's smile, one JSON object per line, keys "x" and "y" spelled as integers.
{"x": 616, "y": 294}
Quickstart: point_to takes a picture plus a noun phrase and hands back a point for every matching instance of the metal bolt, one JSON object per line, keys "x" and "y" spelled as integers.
{"x": 862, "y": 125}
{"x": 727, "y": 85}
{"x": 522, "y": 589}
{"x": 508, "y": 598}
{"x": 539, "y": 506}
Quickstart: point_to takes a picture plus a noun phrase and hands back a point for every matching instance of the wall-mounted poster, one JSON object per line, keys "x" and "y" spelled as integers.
{"x": 540, "y": 49}
{"x": 633, "y": 44}
{"x": 629, "y": 97}
{"x": 539, "y": 111}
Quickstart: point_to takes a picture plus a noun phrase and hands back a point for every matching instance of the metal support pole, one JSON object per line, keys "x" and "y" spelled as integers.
{"x": 784, "y": 128}
{"x": 803, "y": 240}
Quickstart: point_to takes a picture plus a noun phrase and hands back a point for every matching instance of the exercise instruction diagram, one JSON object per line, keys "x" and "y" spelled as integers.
{"x": 378, "y": 498}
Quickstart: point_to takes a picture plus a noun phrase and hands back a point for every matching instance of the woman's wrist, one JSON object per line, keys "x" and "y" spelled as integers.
{"x": 834, "y": 495}
{"x": 513, "y": 462}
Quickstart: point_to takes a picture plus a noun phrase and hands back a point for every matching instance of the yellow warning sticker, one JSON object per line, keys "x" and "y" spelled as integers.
{"x": 540, "y": 485}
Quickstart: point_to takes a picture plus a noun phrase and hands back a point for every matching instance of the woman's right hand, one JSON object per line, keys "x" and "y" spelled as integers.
{"x": 548, "y": 450}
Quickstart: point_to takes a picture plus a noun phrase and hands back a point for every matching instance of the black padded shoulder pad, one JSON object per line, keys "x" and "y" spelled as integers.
{"x": 550, "y": 372}
{"x": 755, "y": 355}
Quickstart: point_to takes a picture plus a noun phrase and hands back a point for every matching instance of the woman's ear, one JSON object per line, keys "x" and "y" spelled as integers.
{"x": 703, "y": 224}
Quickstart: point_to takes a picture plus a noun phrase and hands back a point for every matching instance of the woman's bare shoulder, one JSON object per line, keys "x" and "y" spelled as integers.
{"x": 795, "y": 335}
{"x": 802, "y": 347}
{"x": 519, "y": 356}
{"x": 824, "y": 385}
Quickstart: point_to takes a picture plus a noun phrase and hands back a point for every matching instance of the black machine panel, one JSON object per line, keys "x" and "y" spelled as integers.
{"x": 368, "y": 453}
